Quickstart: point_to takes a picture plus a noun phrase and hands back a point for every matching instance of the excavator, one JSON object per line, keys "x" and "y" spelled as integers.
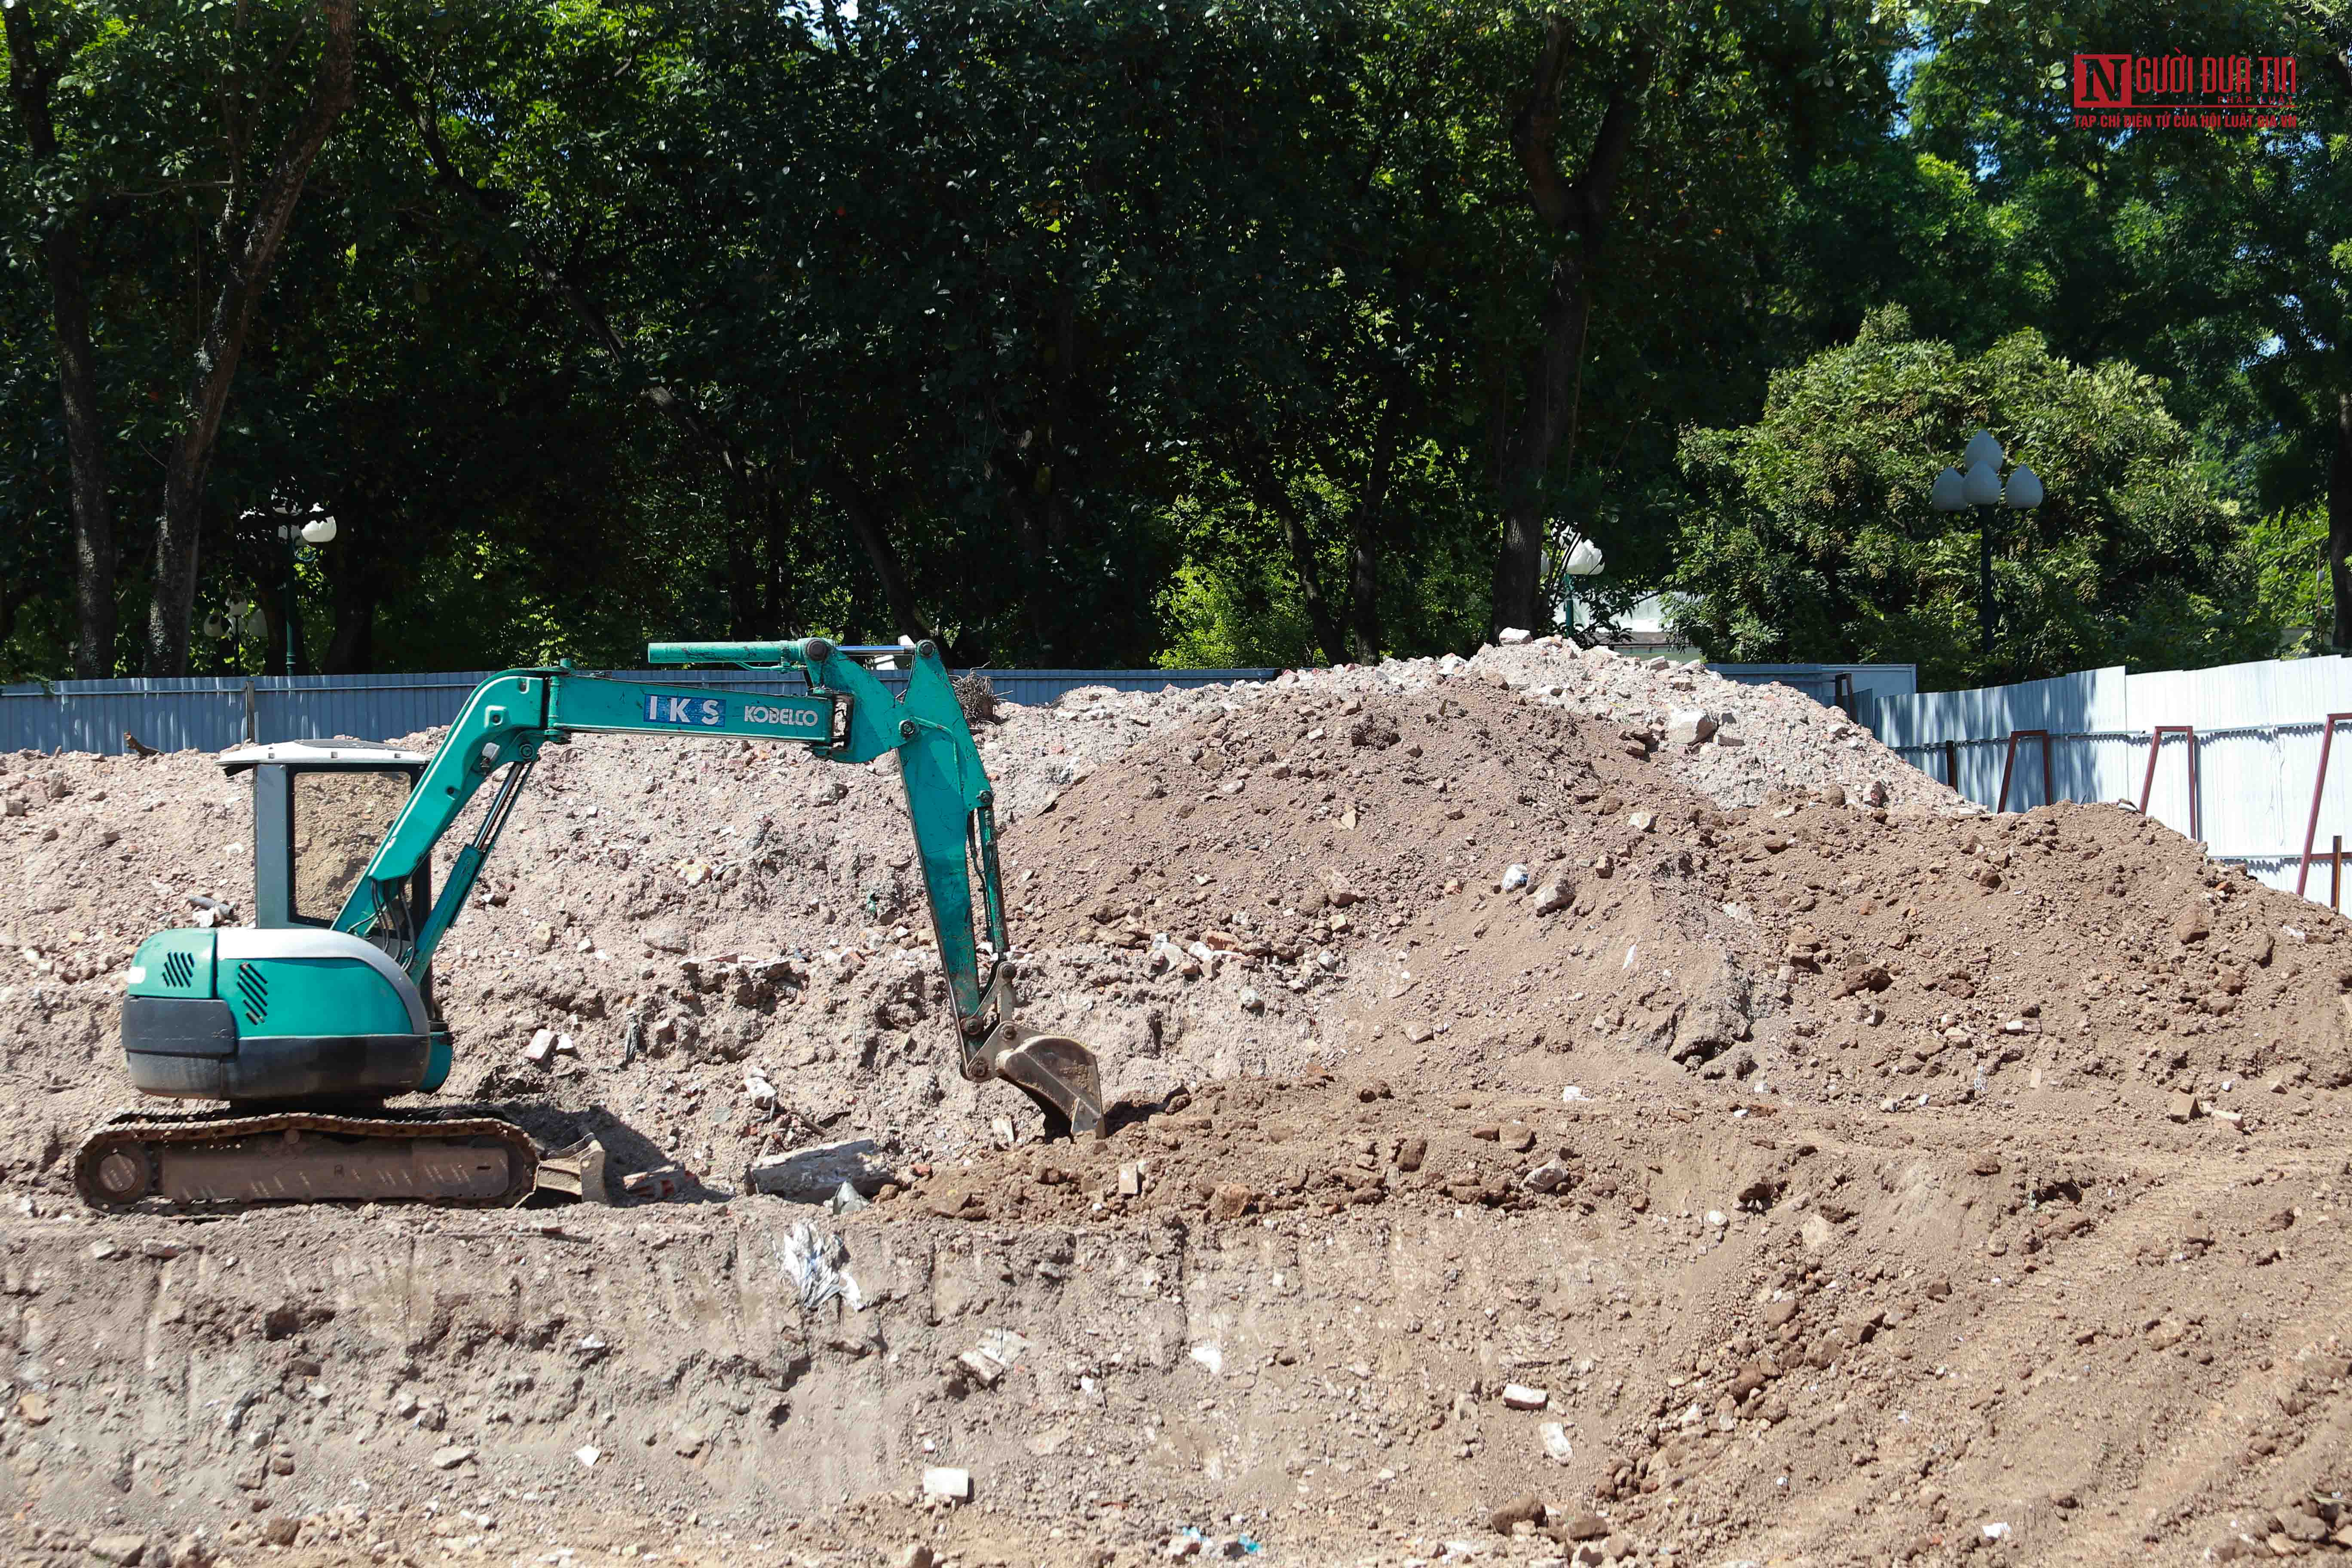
{"x": 306, "y": 1022}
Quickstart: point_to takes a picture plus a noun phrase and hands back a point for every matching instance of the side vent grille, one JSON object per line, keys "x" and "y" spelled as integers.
{"x": 253, "y": 989}
{"x": 179, "y": 970}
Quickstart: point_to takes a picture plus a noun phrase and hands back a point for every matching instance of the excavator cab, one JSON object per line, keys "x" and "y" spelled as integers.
{"x": 319, "y": 809}
{"x": 290, "y": 1008}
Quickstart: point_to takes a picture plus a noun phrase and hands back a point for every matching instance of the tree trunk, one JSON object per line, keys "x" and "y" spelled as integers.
{"x": 30, "y": 78}
{"x": 1329, "y": 639}
{"x": 1579, "y": 211}
{"x": 1272, "y": 494}
{"x": 2340, "y": 520}
{"x": 1363, "y": 592}
{"x": 178, "y": 528}
{"x": 1544, "y": 422}
{"x": 742, "y": 580}
{"x": 355, "y": 584}
{"x": 1023, "y": 482}
{"x": 869, "y": 521}
{"x": 95, "y": 551}
{"x": 1365, "y": 531}
{"x": 272, "y": 606}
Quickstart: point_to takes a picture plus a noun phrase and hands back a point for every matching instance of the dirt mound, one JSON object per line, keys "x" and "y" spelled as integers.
{"x": 1548, "y": 1132}
{"x": 1732, "y": 742}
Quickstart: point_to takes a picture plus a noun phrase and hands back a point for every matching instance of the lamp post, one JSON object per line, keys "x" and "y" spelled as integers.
{"x": 315, "y": 528}
{"x": 1981, "y": 487}
{"x": 232, "y": 626}
{"x": 1584, "y": 560}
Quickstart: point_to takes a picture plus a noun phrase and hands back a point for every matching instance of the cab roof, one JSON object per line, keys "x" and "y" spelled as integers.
{"x": 338, "y": 752}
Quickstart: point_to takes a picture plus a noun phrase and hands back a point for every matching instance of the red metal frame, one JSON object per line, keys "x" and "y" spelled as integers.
{"x": 2311, "y": 829}
{"x": 2009, "y": 760}
{"x": 2147, "y": 782}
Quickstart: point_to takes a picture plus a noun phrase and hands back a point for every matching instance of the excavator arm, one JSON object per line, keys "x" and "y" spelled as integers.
{"x": 847, "y": 715}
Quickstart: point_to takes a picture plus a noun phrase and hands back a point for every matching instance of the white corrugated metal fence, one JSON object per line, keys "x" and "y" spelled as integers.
{"x": 2258, "y": 730}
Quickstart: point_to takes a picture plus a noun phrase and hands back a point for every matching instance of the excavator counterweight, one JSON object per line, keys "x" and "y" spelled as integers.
{"x": 306, "y": 1022}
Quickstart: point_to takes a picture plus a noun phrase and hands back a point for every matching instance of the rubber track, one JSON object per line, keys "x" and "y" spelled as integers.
{"x": 208, "y": 1126}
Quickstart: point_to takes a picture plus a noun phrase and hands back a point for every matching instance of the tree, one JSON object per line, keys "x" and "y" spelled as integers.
{"x": 35, "y": 63}
{"x": 1812, "y": 538}
{"x": 130, "y": 153}
{"x": 1342, "y": 434}
{"x": 1578, "y": 210}
{"x": 2212, "y": 259}
{"x": 251, "y": 227}
{"x": 1076, "y": 332}
{"x": 37, "y": 581}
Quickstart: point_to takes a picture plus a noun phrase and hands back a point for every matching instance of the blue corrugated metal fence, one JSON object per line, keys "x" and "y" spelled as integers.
{"x": 1856, "y": 687}
{"x": 208, "y": 714}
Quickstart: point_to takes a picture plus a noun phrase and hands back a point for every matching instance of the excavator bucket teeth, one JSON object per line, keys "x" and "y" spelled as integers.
{"x": 1061, "y": 1075}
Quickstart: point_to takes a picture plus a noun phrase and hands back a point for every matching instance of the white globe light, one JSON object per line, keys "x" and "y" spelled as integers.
{"x": 2024, "y": 488}
{"x": 213, "y": 627}
{"x": 1981, "y": 486}
{"x": 1585, "y": 560}
{"x": 318, "y": 530}
{"x": 1946, "y": 495}
{"x": 1982, "y": 448}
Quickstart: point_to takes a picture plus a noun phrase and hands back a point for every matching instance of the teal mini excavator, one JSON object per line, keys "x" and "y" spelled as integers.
{"x": 308, "y": 1020}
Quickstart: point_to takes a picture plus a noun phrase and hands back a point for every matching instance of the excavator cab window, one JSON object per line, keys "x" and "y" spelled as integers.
{"x": 319, "y": 810}
{"x": 339, "y": 816}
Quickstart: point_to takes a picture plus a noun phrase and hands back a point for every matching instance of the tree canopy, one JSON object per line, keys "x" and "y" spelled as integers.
{"x": 1104, "y": 331}
{"x": 1812, "y": 538}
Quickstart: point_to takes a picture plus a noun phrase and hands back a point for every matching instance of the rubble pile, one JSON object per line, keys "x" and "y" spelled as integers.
{"x": 1566, "y": 1110}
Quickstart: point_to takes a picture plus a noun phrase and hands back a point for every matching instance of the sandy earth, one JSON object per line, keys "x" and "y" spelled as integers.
{"x": 1542, "y": 1136}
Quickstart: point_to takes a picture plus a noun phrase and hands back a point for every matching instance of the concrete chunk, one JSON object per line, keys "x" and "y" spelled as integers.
{"x": 1689, "y": 726}
{"x": 951, "y": 1484}
{"x": 811, "y": 1175}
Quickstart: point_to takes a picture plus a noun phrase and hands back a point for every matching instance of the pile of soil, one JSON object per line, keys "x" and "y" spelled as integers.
{"x": 1545, "y": 1130}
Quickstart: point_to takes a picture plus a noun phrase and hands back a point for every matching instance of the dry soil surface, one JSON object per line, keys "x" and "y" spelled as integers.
{"x": 1549, "y": 1128}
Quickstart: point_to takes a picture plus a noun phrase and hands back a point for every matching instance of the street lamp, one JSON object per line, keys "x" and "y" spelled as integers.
{"x": 232, "y": 626}
{"x": 1584, "y": 560}
{"x": 315, "y": 528}
{"x": 1981, "y": 488}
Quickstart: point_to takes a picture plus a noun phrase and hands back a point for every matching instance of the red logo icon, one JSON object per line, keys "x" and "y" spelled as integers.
{"x": 2103, "y": 82}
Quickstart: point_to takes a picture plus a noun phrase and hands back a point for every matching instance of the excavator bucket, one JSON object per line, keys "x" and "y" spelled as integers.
{"x": 1057, "y": 1072}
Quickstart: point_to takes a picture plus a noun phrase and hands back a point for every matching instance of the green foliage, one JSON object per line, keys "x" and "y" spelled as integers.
{"x": 1099, "y": 332}
{"x": 1218, "y": 620}
{"x": 36, "y": 551}
{"x": 2288, "y": 552}
{"x": 1811, "y": 537}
